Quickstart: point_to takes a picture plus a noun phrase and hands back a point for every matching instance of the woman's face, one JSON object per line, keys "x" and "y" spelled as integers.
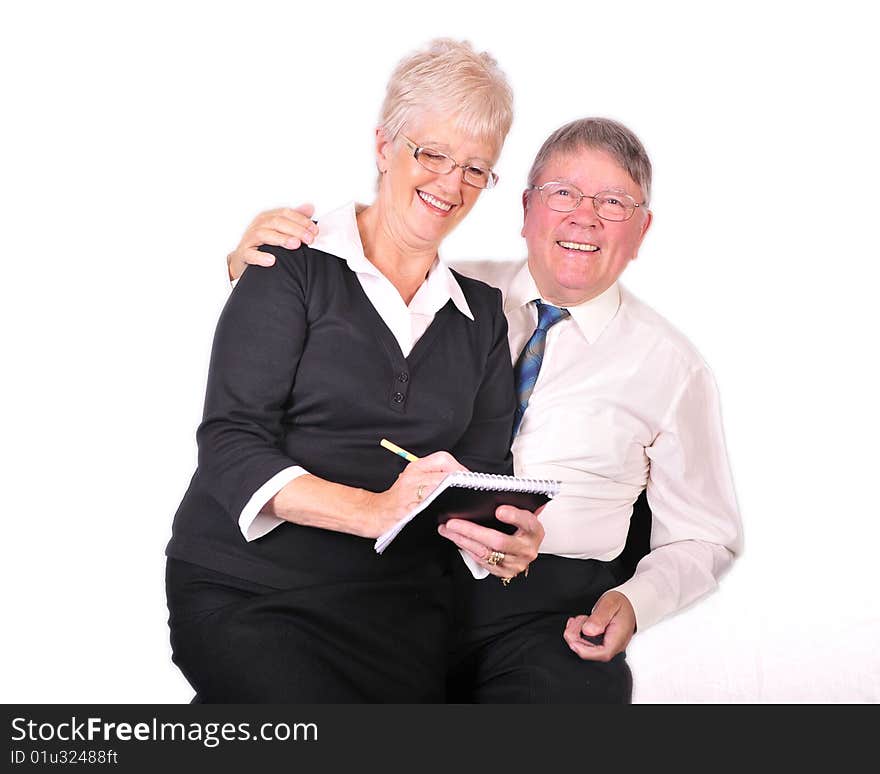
{"x": 421, "y": 207}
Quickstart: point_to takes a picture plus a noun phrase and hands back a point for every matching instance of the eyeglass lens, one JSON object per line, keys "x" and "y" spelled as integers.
{"x": 608, "y": 205}
{"x": 438, "y": 162}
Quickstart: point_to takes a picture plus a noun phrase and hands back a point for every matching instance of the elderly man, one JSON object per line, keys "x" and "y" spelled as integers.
{"x": 612, "y": 401}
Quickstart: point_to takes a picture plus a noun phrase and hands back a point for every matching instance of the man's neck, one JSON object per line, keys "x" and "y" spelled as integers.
{"x": 559, "y": 296}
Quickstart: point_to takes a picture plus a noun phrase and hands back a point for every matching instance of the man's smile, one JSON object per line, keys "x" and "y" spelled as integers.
{"x": 584, "y": 247}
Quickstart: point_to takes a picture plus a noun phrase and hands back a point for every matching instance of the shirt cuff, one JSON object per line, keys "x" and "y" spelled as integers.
{"x": 477, "y": 570}
{"x": 254, "y": 524}
{"x": 644, "y": 599}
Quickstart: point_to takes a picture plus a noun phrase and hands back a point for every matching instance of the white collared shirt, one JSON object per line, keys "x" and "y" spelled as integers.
{"x": 339, "y": 236}
{"x": 624, "y": 401}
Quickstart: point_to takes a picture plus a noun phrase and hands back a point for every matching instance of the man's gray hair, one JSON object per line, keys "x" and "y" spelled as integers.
{"x": 602, "y": 134}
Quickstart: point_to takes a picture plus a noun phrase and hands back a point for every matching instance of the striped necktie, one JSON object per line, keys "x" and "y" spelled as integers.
{"x": 528, "y": 364}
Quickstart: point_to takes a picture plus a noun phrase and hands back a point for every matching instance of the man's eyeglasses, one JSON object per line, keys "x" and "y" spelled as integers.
{"x": 436, "y": 161}
{"x": 609, "y": 205}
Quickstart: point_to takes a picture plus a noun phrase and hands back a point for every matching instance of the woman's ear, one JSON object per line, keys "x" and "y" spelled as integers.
{"x": 384, "y": 148}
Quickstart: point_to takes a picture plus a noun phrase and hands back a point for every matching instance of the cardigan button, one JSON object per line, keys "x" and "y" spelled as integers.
{"x": 403, "y": 376}
{"x": 398, "y": 397}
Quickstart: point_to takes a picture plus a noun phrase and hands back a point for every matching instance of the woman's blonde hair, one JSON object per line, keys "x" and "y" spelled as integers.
{"x": 450, "y": 78}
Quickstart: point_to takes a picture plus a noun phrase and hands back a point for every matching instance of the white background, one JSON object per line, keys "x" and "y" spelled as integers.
{"x": 137, "y": 143}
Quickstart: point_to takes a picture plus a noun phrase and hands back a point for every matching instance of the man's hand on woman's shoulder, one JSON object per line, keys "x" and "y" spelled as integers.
{"x": 284, "y": 227}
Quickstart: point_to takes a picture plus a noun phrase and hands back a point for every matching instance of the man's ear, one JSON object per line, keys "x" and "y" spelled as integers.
{"x": 649, "y": 218}
{"x": 525, "y": 203}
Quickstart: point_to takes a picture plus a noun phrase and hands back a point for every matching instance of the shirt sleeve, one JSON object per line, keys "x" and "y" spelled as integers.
{"x": 252, "y": 522}
{"x": 696, "y": 528}
{"x": 257, "y": 347}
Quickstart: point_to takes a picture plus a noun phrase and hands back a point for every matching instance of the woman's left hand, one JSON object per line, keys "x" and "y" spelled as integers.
{"x": 485, "y": 544}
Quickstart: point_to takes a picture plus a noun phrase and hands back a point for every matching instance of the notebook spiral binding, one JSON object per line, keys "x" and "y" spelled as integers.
{"x": 487, "y": 481}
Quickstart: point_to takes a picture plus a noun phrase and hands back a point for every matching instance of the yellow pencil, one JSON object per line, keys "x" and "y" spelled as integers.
{"x": 397, "y": 450}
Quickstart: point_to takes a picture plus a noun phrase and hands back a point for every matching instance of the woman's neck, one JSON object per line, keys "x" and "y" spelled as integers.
{"x": 404, "y": 266}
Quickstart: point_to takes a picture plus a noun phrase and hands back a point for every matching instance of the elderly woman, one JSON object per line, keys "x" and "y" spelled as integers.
{"x": 274, "y": 589}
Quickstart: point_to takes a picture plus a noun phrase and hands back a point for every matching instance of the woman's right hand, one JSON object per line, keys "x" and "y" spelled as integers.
{"x": 285, "y": 227}
{"x": 414, "y": 484}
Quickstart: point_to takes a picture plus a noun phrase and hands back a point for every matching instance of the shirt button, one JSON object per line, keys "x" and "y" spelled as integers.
{"x": 403, "y": 377}
{"x": 398, "y": 397}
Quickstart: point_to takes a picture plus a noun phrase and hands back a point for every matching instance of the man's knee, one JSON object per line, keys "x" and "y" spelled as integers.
{"x": 540, "y": 668}
{"x": 568, "y": 679}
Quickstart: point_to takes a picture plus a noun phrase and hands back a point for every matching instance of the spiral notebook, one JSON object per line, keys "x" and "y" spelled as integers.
{"x": 475, "y": 496}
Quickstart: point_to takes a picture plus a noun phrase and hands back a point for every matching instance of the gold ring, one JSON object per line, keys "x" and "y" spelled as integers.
{"x": 420, "y": 493}
{"x": 495, "y": 558}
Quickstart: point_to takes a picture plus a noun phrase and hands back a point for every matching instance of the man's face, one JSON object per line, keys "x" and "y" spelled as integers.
{"x": 575, "y": 256}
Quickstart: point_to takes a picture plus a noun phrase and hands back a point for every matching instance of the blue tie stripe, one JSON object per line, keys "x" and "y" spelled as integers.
{"x": 528, "y": 364}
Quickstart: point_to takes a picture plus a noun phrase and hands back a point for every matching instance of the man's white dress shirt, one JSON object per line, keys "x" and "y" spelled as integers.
{"x": 624, "y": 401}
